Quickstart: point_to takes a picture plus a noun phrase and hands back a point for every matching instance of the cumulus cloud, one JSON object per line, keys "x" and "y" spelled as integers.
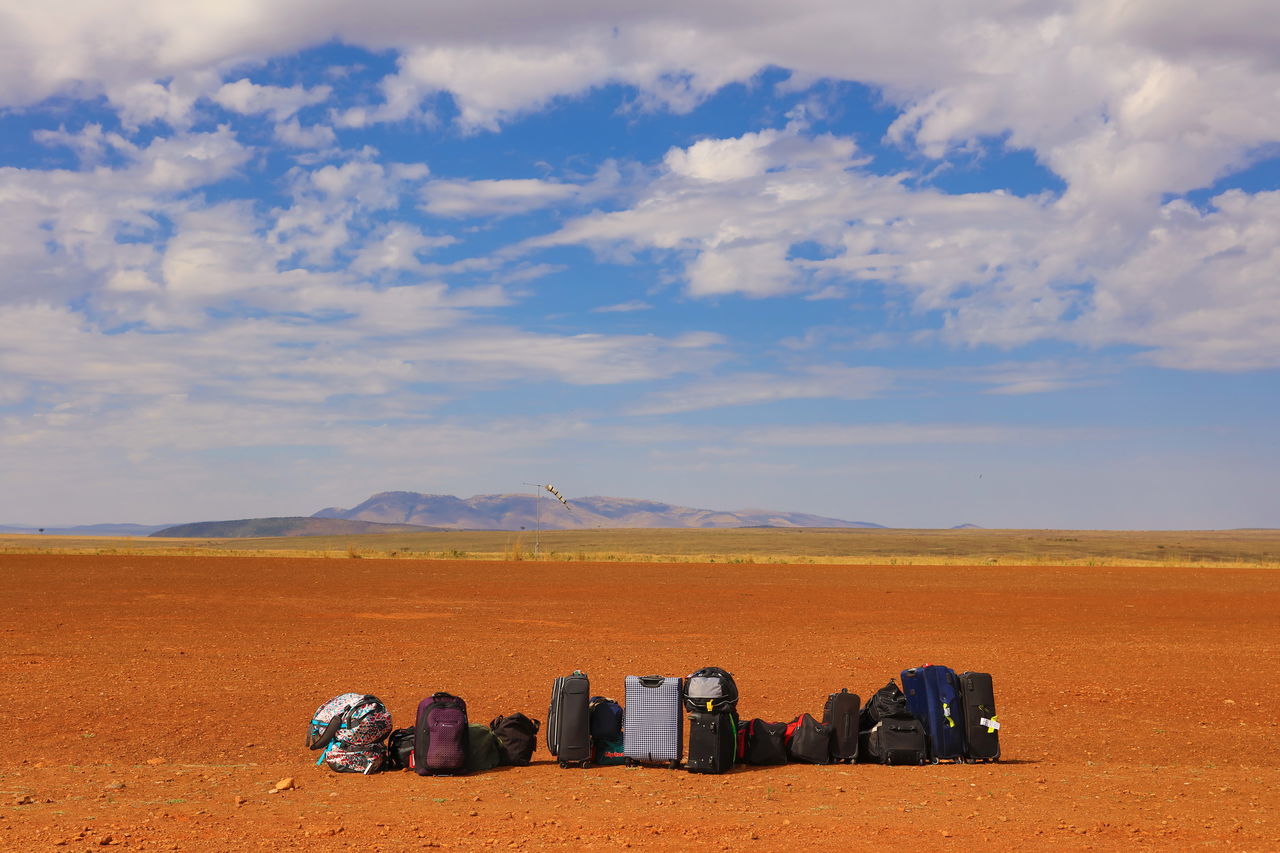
{"x": 999, "y": 269}
{"x": 280, "y": 102}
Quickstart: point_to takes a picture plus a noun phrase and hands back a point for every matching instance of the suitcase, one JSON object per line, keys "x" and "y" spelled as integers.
{"x": 766, "y": 743}
{"x": 713, "y": 742}
{"x": 981, "y": 728}
{"x": 933, "y": 697}
{"x": 654, "y": 730}
{"x": 569, "y": 720}
{"x": 809, "y": 741}
{"x": 895, "y": 740}
{"x": 841, "y": 713}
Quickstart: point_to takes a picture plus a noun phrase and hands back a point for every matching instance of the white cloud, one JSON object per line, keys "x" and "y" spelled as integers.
{"x": 296, "y": 135}
{"x": 817, "y": 382}
{"x": 834, "y": 435}
{"x": 245, "y": 96}
{"x": 623, "y": 307}
{"x": 397, "y": 246}
{"x": 455, "y": 198}
{"x": 1202, "y": 289}
{"x": 1196, "y": 289}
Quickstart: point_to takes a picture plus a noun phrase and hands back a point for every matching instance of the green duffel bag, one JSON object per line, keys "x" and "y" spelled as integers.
{"x": 482, "y": 748}
{"x": 608, "y": 751}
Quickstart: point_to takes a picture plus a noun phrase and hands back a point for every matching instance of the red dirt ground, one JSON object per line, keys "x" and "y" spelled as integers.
{"x": 154, "y": 702}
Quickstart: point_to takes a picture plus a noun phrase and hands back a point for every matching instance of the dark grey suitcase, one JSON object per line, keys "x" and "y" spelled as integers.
{"x": 981, "y": 728}
{"x": 569, "y": 720}
{"x": 654, "y": 730}
{"x": 841, "y": 713}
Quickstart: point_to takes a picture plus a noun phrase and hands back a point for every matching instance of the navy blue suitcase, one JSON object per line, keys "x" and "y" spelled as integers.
{"x": 933, "y": 697}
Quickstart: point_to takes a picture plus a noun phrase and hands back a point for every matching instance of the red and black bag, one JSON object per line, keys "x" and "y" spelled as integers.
{"x": 764, "y": 743}
{"x": 808, "y": 741}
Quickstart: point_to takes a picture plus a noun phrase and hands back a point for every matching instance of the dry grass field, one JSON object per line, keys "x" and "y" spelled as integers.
{"x": 1222, "y": 548}
{"x": 155, "y": 700}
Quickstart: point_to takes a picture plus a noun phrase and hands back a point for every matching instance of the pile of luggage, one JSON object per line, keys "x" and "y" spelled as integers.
{"x": 935, "y": 716}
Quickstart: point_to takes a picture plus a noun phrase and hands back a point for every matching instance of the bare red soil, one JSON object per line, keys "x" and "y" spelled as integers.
{"x": 154, "y": 701}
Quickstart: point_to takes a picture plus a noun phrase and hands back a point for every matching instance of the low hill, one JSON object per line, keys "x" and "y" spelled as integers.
{"x": 525, "y": 512}
{"x": 290, "y": 526}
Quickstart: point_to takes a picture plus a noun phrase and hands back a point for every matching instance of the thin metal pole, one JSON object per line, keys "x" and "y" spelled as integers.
{"x": 537, "y": 515}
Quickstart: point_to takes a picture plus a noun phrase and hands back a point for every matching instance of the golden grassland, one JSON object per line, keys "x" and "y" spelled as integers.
{"x": 1209, "y": 548}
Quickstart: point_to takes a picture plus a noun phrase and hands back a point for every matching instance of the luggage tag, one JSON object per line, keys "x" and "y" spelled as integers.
{"x": 991, "y": 724}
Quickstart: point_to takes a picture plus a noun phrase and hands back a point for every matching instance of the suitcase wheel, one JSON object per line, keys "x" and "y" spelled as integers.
{"x": 675, "y": 765}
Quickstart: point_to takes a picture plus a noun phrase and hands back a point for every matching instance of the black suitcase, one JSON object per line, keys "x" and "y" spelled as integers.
{"x": 895, "y": 740}
{"x": 569, "y": 720}
{"x": 981, "y": 728}
{"x": 766, "y": 743}
{"x": 841, "y": 713}
{"x": 713, "y": 742}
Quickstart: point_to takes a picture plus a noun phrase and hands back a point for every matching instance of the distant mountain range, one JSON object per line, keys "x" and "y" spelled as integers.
{"x": 524, "y": 511}
{"x": 88, "y": 529}
{"x": 392, "y": 512}
{"x": 252, "y": 528}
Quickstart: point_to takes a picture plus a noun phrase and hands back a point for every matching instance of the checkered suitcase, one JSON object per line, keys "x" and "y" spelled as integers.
{"x": 654, "y": 729}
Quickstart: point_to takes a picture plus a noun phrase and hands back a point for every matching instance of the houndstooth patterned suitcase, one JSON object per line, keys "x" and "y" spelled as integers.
{"x": 654, "y": 727}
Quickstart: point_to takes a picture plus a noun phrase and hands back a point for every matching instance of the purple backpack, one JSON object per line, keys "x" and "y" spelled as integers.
{"x": 440, "y": 736}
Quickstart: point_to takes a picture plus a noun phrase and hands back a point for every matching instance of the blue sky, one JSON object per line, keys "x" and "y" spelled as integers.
{"x": 1009, "y": 264}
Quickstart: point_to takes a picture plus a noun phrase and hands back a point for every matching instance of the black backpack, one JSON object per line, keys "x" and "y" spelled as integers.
{"x": 710, "y": 689}
{"x": 605, "y": 717}
{"x": 400, "y": 750}
{"x": 886, "y": 703}
{"x": 517, "y": 736}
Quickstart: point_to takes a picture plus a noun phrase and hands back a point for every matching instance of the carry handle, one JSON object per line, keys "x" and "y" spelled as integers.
{"x": 322, "y": 739}
{"x": 336, "y": 722}
{"x": 652, "y": 680}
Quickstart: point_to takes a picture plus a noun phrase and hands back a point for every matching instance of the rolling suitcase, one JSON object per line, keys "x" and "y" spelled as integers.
{"x": 981, "y": 729}
{"x": 841, "y": 713}
{"x": 933, "y": 696}
{"x": 654, "y": 730}
{"x": 713, "y": 742}
{"x": 895, "y": 740}
{"x": 569, "y": 720}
